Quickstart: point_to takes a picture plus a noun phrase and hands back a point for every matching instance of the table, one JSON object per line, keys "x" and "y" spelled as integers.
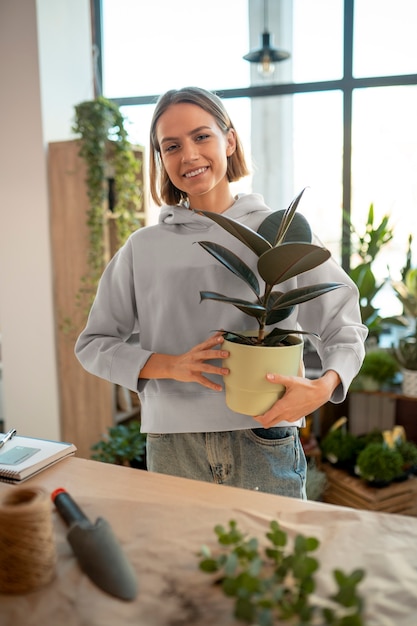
{"x": 162, "y": 521}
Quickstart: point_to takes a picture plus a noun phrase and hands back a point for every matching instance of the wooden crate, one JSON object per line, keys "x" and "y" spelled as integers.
{"x": 346, "y": 490}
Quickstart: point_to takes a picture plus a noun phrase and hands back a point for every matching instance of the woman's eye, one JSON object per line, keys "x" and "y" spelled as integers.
{"x": 170, "y": 147}
{"x": 202, "y": 137}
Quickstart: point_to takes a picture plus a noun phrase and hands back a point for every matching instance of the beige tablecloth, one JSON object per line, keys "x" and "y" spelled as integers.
{"x": 162, "y": 522}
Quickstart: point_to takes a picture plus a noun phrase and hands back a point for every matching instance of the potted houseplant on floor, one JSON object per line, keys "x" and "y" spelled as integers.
{"x": 339, "y": 446}
{"x": 282, "y": 245}
{"x": 123, "y": 444}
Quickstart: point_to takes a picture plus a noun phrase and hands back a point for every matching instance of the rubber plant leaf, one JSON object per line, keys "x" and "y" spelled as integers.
{"x": 289, "y": 260}
{"x": 246, "y": 235}
{"x": 282, "y": 225}
{"x": 287, "y": 219}
{"x": 255, "y": 310}
{"x": 233, "y": 263}
{"x": 303, "y": 294}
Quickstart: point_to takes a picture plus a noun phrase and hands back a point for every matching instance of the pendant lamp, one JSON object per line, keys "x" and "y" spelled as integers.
{"x": 266, "y": 56}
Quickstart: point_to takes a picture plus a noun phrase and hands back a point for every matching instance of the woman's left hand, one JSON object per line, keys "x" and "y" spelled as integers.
{"x": 302, "y": 396}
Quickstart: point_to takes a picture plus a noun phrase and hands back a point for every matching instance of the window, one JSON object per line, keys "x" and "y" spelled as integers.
{"x": 338, "y": 116}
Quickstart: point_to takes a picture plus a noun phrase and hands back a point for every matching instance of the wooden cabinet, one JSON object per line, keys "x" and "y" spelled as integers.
{"x": 87, "y": 403}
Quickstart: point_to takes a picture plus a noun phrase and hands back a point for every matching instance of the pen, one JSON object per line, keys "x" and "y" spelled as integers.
{"x": 7, "y": 437}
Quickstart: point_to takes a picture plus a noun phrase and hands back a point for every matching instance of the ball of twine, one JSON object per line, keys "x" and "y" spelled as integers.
{"x": 27, "y": 546}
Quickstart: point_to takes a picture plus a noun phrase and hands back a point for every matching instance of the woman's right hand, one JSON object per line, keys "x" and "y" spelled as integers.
{"x": 191, "y": 366}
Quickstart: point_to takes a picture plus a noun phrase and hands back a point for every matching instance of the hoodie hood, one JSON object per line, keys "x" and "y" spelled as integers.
{"x": 245, "y": 207}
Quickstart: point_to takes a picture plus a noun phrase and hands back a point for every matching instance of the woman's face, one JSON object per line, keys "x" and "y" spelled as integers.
{"x": 194, "y": 152}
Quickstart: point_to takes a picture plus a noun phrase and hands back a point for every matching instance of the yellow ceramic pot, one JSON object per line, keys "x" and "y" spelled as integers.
{"x": 247, "y": 390}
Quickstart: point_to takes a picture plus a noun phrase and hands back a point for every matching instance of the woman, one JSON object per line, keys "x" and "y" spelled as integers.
{"x": 151, "y": 289}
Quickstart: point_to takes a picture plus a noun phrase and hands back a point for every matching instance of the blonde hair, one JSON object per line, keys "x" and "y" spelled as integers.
{"x": 161, "y": 187}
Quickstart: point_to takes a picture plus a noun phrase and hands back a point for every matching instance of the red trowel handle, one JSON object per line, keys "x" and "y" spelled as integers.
{"x": 67, "y": 507}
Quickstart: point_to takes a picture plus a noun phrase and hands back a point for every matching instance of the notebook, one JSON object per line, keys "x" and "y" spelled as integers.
{"x": 23, "y": 457}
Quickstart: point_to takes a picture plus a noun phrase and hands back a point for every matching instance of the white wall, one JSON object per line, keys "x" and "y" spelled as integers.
{"x": 40, "y": 81}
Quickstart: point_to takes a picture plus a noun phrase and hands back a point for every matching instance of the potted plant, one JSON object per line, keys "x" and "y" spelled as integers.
{"x": 366, "y": 245}
{"x": 408, "y": 451}
{"x": 379, "y": 464}
{"x": 112, "y": 173}
{"x": 379, "y": 368}
{"x": 123, "y": 444}
{"x": 340, "y": 448}
{"x": 406, "y": 352}
{"x": 282, "y": 245}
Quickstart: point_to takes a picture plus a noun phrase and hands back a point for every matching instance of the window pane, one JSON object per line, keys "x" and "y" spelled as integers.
{"x": 318, "y": 40}
{"x": 384, "y": 165}
{"x": 297, "y": 144}
{"x": 318, "y": 148}
{"x": 149, "y": 47}
{"x": 385, "y": 41}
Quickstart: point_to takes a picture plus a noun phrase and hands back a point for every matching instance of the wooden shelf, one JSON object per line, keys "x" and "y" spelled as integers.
{"x": 87, "y": 405}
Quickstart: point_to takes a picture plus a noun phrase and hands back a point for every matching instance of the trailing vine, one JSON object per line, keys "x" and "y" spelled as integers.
{"x": 104, "y": 141}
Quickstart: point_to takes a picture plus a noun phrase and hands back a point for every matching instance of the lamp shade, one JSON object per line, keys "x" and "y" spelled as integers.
{"x": 266, "y": 50}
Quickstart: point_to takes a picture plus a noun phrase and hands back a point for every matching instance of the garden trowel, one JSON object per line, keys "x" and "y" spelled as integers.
{"x": 98, "y": 552}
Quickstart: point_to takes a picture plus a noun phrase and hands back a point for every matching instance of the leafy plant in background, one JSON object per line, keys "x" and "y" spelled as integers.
{"x": 408, "y": 451}
{"x": 379, "y": 368}
{"x": 104, "y": 140}
{"x": 378, "y": 463}
{"x": 406, "y": 291}
{"x": 123, "y": 444}
{"x": 277, "y": 582}
{"x": 366, "y": 245}
{"x": 339, "y": 445}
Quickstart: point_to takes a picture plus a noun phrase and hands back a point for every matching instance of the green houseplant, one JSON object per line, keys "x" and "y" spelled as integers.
{"x": 108, "y": 155}
{"x": 408, "y": 451}
{"x": 379, "y": 464}
{"x": 379, "y": 368}
{"x": 123, "y": 444}
{"x": 340, "y": 447}
{"x": 282, "y": 245}
{"x": 406, "y": 351}
{"x": 366, "y": 244}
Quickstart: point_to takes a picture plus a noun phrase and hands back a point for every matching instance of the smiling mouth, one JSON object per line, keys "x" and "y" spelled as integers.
{"x": 200, "y": 170}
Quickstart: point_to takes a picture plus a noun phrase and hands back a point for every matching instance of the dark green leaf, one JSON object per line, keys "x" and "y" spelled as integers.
{"x": 303, "y": 294}
{"x": 246, "y": 235}
{"x": 298, "y": 231}
{"x": 209, "y": 565}
{"x": 274, "y": 317}
{"x": 255, "y": 310}
{"x": 288, "y": 218}
{"x": 232, "y": 262}
{"x": 289, "y": 260}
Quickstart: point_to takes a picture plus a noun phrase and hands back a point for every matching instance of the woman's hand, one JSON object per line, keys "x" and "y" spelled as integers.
{"x": 302, "y": 396}
{"x": 191, "y": 366}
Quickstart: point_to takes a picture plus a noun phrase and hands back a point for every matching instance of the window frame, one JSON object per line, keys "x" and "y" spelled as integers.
{"x": 347, "y": 84}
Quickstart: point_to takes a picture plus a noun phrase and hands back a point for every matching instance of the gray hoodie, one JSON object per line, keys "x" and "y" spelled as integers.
{"x": 148, "y": 300}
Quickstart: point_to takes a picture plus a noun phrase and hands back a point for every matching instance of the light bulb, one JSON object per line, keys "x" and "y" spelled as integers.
{"x": 266, "y": 68}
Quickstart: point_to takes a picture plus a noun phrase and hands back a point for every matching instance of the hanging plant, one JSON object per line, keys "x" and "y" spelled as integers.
{"x": 104, "y": 144}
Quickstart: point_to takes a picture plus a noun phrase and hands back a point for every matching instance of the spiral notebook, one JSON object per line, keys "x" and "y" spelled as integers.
{"x": 23, "y": 457}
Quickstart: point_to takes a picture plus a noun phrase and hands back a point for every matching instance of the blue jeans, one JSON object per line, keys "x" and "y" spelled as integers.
{"x": 270, "y": 460}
